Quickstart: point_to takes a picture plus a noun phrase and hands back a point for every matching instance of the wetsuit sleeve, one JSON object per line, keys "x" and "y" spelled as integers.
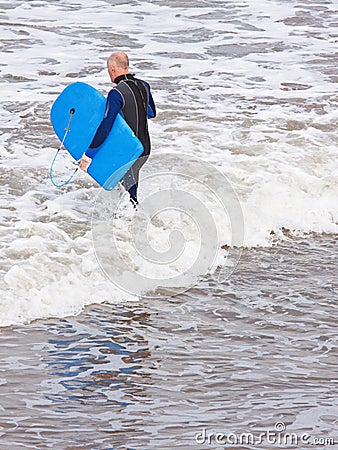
{"x": 113, "y": 107}
{"x": 151, "y": 105}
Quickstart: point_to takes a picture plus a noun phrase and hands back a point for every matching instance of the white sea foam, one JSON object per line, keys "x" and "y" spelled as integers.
{"x": 249, "y": 88}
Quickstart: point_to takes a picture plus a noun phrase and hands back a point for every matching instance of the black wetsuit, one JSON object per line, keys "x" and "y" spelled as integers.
{"x": 133, "y": 98}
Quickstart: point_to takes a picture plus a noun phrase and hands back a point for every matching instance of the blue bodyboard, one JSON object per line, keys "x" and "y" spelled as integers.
{"x": 120, "y": 149}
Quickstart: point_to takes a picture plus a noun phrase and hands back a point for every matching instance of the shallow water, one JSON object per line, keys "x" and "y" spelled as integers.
{"x": 249, "y": 89}
{"x": 259, "y": 349}
{"x": 248, "y": 345}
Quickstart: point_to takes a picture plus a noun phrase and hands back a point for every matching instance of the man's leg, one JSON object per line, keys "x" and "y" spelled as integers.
{"x": 131, "y": 179}
{"x": 130, "y": 185}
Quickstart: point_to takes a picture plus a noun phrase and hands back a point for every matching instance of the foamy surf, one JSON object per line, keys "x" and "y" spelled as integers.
{"x": 249, "y": 89}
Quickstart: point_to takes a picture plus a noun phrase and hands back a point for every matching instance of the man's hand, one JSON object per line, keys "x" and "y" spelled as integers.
{"x": 84, "y": 162}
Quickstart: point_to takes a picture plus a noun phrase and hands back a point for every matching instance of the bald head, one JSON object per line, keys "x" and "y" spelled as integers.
{"x": 120, "y": 60}
{"x": 117, "y": 64}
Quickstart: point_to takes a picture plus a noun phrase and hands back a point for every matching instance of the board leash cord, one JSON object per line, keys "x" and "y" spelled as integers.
{"x": 67, "y": 129}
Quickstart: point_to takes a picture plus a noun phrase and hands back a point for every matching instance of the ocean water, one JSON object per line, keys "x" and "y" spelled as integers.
{"x": 211, "y": 309}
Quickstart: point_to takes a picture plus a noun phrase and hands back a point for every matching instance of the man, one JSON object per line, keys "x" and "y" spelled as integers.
{"x": 133, "y": 98}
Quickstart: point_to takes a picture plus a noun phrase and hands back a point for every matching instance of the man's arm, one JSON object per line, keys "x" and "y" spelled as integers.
{"x": 151, "y": 105}
{"x": 114, "y": 105}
